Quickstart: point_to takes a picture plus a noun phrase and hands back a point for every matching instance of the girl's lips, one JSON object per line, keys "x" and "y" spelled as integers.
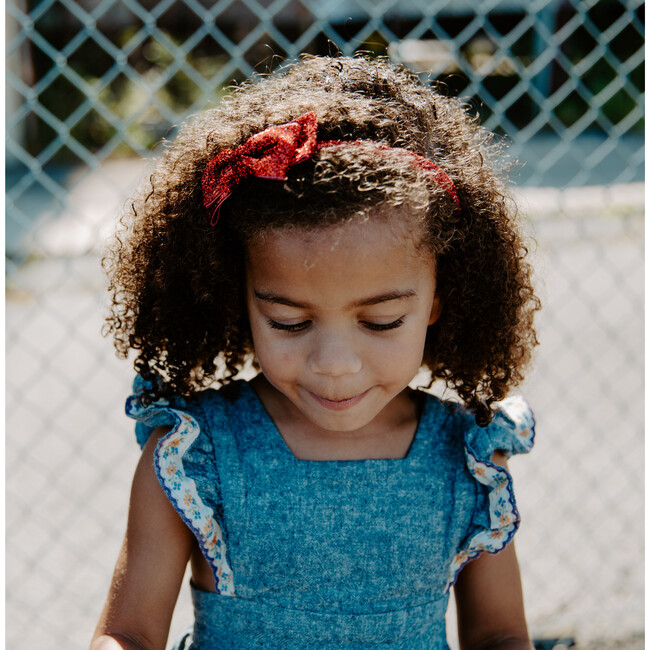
{"x": 339, "y": 405}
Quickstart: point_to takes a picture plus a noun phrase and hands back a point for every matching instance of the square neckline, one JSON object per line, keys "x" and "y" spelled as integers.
{"x": 279, "y": 442}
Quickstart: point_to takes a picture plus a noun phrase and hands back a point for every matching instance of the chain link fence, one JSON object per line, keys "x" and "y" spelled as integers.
{"x": 92, "y": 88}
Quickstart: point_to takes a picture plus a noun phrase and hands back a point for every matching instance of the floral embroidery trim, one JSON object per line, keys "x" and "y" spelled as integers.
{"x": 504, "y": 516}
{"x": 182, "y": 492}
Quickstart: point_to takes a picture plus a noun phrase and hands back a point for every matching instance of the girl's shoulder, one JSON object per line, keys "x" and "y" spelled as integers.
{"x": 488, "y": 509}
{"x": 206, "y": 410}
{"x": 512, "y": 429}
{"x": 185, "y": 460}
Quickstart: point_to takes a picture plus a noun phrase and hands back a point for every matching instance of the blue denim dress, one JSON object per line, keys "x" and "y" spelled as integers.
{"x": 330, "y": 554}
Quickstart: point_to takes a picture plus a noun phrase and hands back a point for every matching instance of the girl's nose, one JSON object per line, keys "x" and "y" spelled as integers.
{"x": 334, "y": 356}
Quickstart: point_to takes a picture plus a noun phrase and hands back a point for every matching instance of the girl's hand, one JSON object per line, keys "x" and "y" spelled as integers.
{"x": 150, "y": 567}
{"x": 489, "y": 600}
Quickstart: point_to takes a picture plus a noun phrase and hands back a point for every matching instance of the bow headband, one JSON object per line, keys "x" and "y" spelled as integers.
{"x": 270, "y": 153}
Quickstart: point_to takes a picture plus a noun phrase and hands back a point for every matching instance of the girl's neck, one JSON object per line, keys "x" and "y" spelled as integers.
{"x": 388, "y": 436}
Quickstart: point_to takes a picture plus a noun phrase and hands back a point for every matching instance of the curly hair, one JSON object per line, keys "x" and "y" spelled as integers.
{"x": 177, "y": 284}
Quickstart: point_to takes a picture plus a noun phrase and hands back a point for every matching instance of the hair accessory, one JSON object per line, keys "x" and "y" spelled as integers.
{"x": 270, "y": 153}
{"x": 267, "y": 154}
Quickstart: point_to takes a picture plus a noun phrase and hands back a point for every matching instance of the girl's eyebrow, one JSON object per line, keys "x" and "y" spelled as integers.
{"x": 278, "y": 300}
{"x": 374, "y": 300}
{"x": 386, "y": 297}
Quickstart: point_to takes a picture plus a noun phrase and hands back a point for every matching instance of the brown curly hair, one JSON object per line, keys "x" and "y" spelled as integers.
{"x": 177, "y": 284}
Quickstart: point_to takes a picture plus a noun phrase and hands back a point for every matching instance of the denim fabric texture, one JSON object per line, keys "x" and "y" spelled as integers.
{"x": 330, "y": 554}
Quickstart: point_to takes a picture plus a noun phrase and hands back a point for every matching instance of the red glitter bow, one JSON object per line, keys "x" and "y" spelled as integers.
{"x": 267, "y": 154}
{"x": 270, "y": 153}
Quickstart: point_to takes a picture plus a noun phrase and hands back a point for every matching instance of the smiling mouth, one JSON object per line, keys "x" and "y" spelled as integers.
{"x": 339, "y": 404}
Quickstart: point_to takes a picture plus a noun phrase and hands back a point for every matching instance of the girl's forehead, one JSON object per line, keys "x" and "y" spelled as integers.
{"x": 363, "y": 254}
{"x": 360, "y": 236}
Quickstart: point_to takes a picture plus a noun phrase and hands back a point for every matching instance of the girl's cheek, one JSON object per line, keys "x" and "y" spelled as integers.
{"x": 269, "y": 346}
{"x": 408, "y": 347}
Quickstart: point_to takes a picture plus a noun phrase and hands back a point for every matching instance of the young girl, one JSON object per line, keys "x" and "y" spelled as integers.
{"x": 342, "y": 226}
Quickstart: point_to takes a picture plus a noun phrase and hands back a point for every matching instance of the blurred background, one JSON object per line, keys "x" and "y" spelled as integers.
{"x": 94, "y": 86}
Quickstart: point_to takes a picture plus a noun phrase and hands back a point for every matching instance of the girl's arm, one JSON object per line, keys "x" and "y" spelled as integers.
{"x": 150, "y": 567}
{"x": 489, "y": 600}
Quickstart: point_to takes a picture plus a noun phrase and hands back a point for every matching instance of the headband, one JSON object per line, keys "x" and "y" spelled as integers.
{"x": 270, "y": 153}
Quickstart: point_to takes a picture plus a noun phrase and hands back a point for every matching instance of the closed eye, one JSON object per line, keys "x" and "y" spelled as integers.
{"x": 382, "y": 327}
{"x": 299, "y": 327}
{"x": 293, "y": 327}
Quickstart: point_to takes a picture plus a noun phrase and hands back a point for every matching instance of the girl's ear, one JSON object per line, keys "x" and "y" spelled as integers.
{"x": 436, "y": 308}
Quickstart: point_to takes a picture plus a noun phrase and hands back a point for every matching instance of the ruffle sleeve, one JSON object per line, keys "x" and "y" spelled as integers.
{"x": 495, "y": 518}
{"x": 183, "y": 460}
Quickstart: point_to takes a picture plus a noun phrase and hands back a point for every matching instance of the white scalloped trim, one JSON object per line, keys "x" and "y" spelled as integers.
{"x": 181, "y": 491}
{"x": 504, "y": 517}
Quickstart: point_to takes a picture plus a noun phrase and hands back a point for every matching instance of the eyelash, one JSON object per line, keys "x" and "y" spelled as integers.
{"x": 296, "y": 327}
{"x": 382, "y": 327}
{"x": 299, "y": 327}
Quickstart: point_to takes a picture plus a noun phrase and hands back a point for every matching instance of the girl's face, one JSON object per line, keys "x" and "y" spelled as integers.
{"x": 339, "y": 318}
